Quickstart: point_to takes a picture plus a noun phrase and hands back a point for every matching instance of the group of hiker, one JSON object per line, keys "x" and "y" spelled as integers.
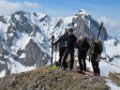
{"x": 68, "y": 43}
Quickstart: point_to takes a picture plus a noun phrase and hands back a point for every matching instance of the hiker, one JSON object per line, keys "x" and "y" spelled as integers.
{"x": 61, "y": 41}
{"x": 83, "y": 47}
{"x": 96, "y": 50}
{"x": 71, "y": 40}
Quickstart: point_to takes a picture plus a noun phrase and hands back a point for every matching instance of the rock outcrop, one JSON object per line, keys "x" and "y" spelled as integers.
{"x": 51, "y": 78}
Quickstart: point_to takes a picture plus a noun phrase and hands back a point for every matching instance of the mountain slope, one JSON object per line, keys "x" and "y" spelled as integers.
{"x": 51, "y": 78}
{"x": 23, "y": 42}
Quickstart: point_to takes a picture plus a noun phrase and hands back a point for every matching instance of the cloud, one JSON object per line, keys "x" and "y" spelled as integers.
{"x": 7, "y": 7}
{"x": 110, "y": 22}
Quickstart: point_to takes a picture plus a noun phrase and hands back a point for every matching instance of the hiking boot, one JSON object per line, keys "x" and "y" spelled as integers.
{"x": 63, "y": 68}
{"x": 81, "y": 72}
{"x": 57, "y": 63}
{"x": 97, "y": 74}
{"x": 70, "y": 69}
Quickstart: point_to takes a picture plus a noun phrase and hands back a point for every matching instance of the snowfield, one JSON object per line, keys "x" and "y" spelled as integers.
{"x": 111, "y": 49}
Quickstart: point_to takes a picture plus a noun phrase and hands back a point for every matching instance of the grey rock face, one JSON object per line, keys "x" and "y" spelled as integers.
{"x": 88, "y": 27}
{"x": 83, "y": 24}
{"x": 44, "y": 18}
{"x": 2, "y": 67}
{"x": 34, "y": 55}
{"x": 22, "y": 25}
{"x": 58, "y": 24}
{"x": 2, "y": 19}
{"x": 1, "y": 49}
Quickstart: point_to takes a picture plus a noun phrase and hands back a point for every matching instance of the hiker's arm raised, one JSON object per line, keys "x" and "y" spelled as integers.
{"x": 57, "y": 41}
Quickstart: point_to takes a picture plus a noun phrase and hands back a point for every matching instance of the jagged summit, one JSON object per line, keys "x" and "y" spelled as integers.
{"x": 82, "y": 12}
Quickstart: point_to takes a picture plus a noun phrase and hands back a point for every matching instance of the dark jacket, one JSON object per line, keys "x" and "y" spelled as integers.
{"x": 71, "y": 40}
{"x": 62, "y": 40}
{"x": 97, "y": 48}
{"x": 83, "y": 47}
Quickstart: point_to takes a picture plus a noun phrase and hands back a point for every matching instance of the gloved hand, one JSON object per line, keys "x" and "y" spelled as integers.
{"x": 53, "y": 43}
{"x": 65, "y": 46}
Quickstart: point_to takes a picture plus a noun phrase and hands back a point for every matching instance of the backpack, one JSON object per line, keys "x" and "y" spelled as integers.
{"x": 97, "y": 47}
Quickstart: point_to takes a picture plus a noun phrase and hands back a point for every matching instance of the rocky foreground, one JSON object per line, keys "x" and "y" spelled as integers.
{"x": 115, "y": 77}
{"x": 51, "y": 78}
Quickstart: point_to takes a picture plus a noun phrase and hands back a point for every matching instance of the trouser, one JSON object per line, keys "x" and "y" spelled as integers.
{"x": 61, "y": 53}
{"x": 67, "y": 52}
{"x": 95, "y": 65}
{"x": 82, "y": 61}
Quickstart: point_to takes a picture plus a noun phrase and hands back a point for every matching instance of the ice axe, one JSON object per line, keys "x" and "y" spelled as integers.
{"x": 55, "y": 53}
{"x": 98, "y": 35}
{"x": 52, "y": 41}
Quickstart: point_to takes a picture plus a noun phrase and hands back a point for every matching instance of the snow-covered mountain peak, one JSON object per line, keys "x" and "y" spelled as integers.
{"x": 24, "y": 42}
{"x": 83, "y": 12}
{"x": 82, "y": 23}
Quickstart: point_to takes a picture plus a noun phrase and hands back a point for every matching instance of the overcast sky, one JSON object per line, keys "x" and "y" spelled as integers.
{"x": 105, "y": 10}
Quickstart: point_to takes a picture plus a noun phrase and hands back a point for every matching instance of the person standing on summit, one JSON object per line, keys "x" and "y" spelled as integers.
{"x": 70, "y": 44}
{"x": 82, "y": 45}
{"x": 61, "y": 41}
{"x": 96, "y": 50}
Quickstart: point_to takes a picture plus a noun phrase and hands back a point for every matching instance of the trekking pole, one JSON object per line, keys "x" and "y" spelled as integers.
{"x": 52, "y": 38}
{"x": 55, "y": 52}
{"x": 89, "y": 55}
{"x": 101, "y": 25}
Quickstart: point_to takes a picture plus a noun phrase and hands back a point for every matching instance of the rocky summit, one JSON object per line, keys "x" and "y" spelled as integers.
{"x": 51, "y": 78}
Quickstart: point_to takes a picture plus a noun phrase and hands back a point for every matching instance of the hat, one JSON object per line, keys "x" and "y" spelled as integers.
{"x": 70, "y": 29}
